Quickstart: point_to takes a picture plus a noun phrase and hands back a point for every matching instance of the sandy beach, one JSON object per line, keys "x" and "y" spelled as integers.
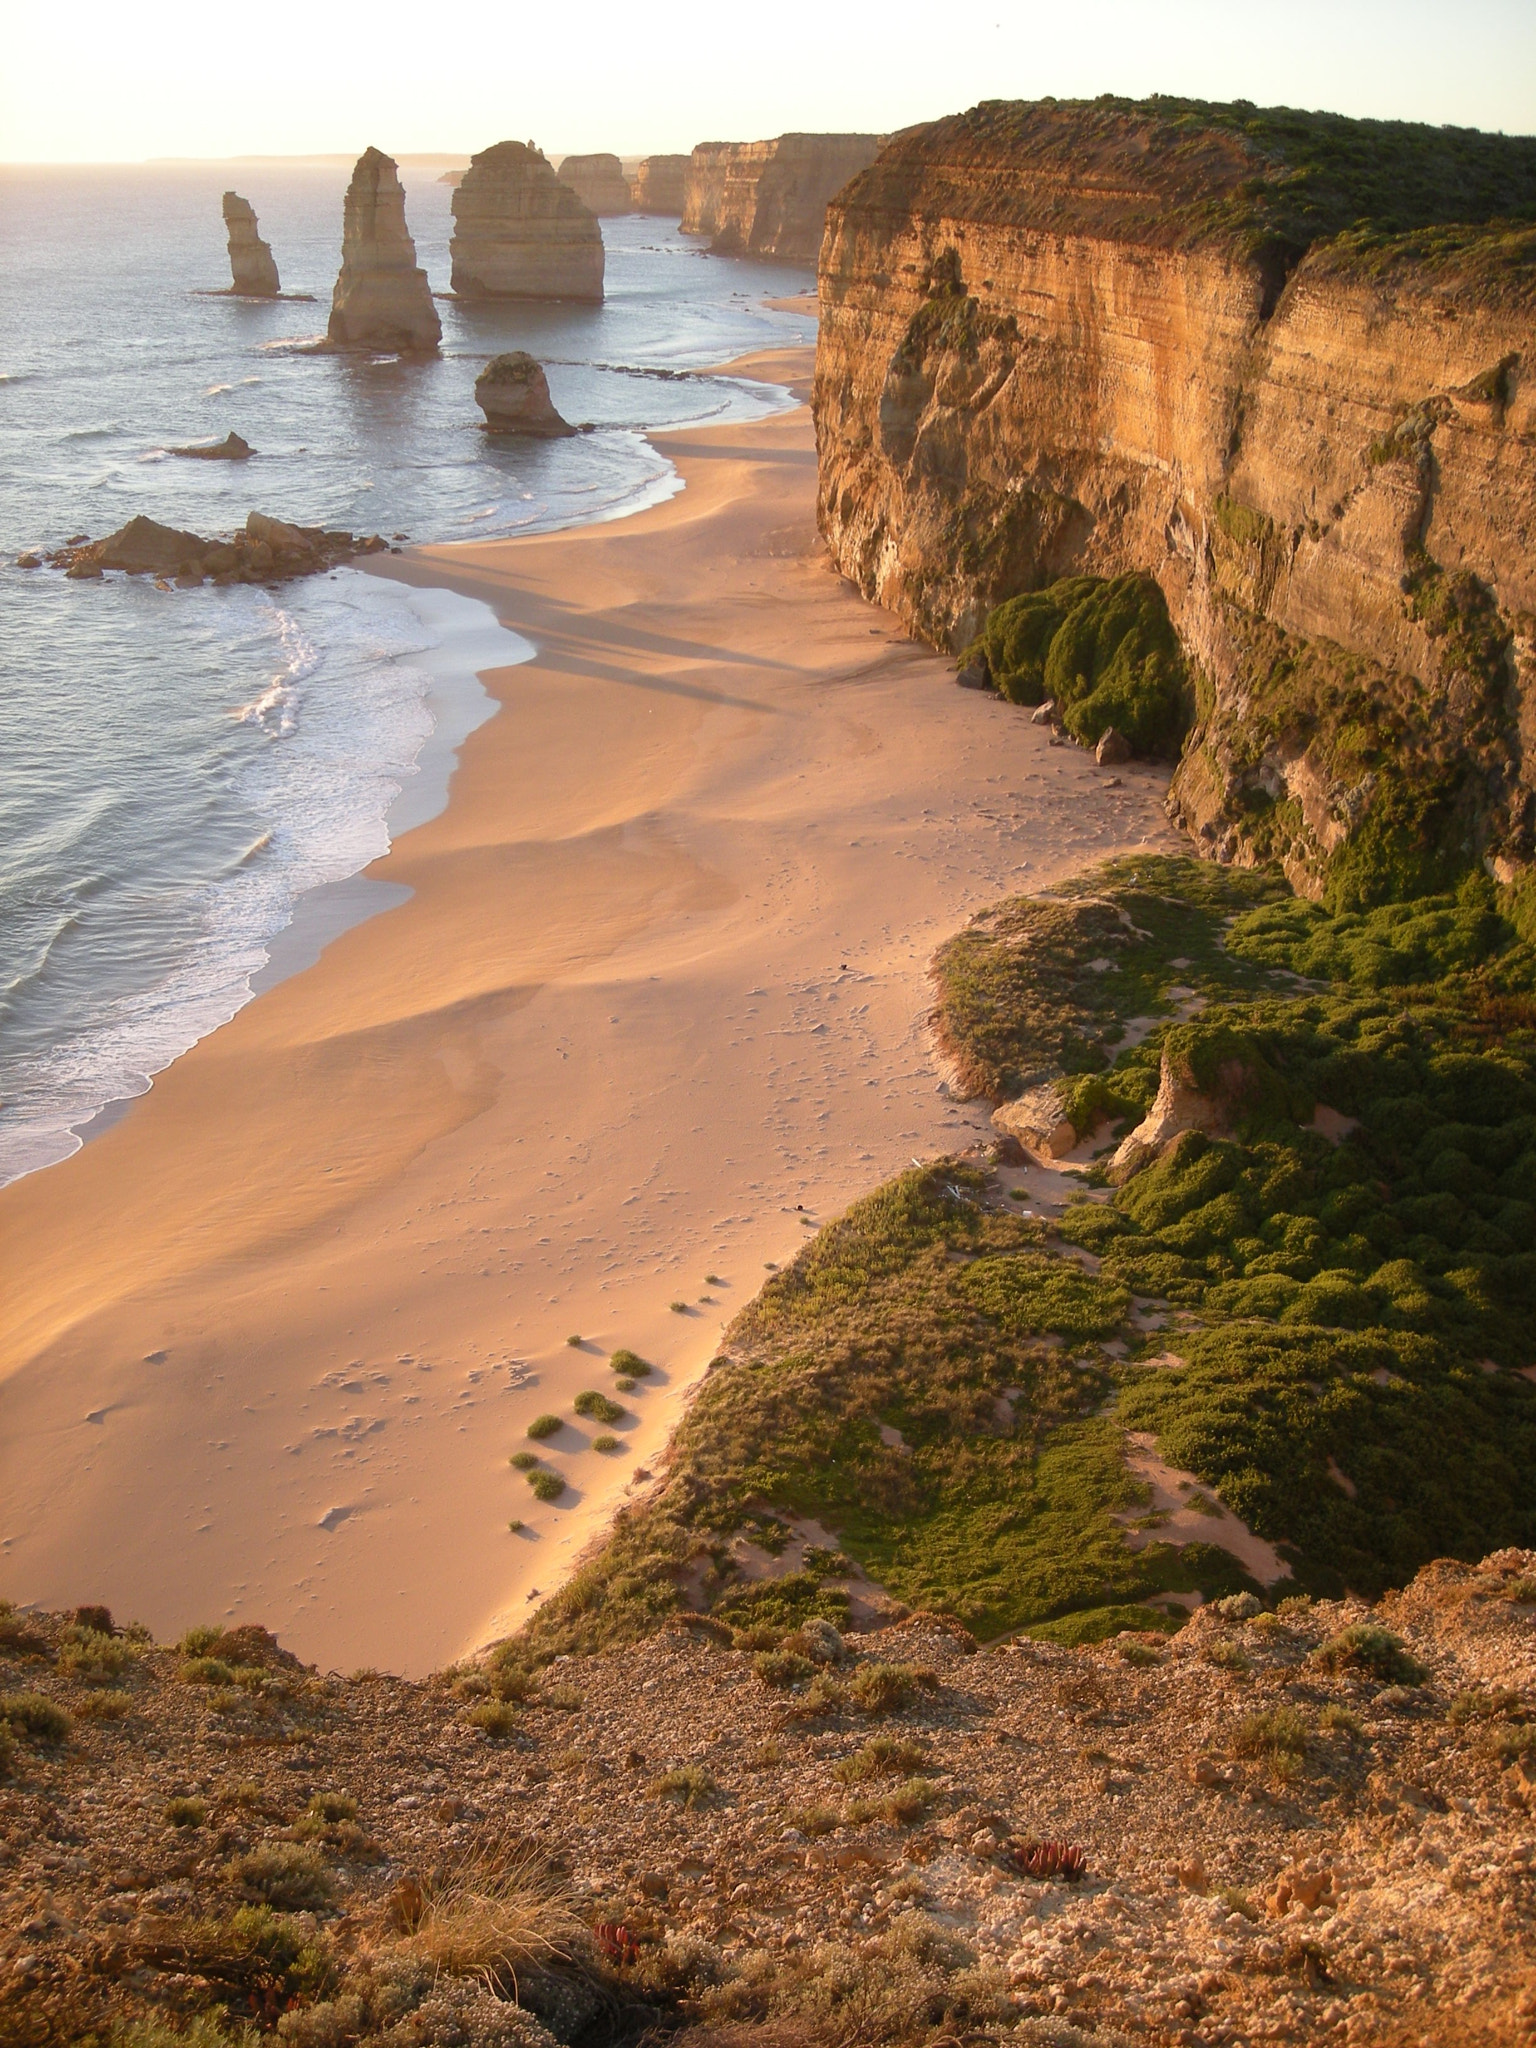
{"x": 654, "y": 1006}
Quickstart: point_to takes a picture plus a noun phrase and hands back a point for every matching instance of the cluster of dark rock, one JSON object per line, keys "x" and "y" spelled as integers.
{"x": 263, "y": 551}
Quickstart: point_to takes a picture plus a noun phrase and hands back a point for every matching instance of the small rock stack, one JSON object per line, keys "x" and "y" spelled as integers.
{"x": 382, "y": 298}
{"x": 520, "y": 234}
{"x": 658, "y": 185}
{"x": 252, "y": 270}
{"x": 598, "y": 182}
{"x": 513, "y": 393}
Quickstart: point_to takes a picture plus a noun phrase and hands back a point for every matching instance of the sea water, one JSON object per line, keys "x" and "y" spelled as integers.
{"x": 180, "y": 770}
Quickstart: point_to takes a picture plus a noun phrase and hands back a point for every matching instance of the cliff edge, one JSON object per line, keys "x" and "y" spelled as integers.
{"x": 770, "y": 198}
{"x": 1275, "y": 360}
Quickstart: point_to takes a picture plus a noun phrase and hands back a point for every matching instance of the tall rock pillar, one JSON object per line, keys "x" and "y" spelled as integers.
{"x": 251, "y": 268}
{"x": 382, "y": 298}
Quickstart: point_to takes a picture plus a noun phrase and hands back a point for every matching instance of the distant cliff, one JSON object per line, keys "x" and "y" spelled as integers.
{"x": 659, "y": 185}
{"x": 1281, "y": 362}
{"x": 770, "y": 198}
{"x": 598, "y": 182}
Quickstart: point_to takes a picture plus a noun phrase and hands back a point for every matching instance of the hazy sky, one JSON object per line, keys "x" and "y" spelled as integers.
{"x": 97, "y": 81}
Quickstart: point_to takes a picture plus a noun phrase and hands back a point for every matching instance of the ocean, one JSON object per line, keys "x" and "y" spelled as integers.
{"x": 184, "y": 773}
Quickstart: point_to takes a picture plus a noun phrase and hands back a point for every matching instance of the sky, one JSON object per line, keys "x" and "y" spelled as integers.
{"x": 107, "y": 83}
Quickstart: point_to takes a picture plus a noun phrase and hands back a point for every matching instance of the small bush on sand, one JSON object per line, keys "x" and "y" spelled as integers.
{"x": 206, "y": 1671}
{"x": 782, "y": 1667}
{"x": 689, "y": 1784}
{"x": 678, "y": 1308}
{"x": 1376, "y": 1651}
{"x": 607, "y": 1444}
{"x": 284, "y": 1875}
{"x": 185, "y": 1813}
{"x": 883, "y": 1756}
{"x": 523, "y": 1461}
{"x": 494, "y": 1911}
{"x": 597, "y": 1407}
{"x": 630, "y": 1363}
{"x": 886, "y": 1688}
{"x": 515, "y": 1526}
{"x": 900, "y": 1806}
{"x": 34, "y": 1716}
{"x": 110, "y": 1705}
{"x": 1278, "y": 1735}
{"x": 496, "y": 1718}
{"x": 546, "y": 1485}
{"x": 543, "y": 1426}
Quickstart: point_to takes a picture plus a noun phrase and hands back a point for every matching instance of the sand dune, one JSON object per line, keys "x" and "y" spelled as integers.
{"x": 661, "y": 981}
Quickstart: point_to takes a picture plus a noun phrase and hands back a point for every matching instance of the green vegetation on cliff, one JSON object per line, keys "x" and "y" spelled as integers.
{"x": 1103, "y": 650}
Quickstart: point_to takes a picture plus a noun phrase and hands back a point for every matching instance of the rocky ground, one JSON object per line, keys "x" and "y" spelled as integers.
{"x": 1302, "y": 1825}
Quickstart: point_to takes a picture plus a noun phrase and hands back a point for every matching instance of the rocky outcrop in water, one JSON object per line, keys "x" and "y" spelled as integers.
{"x": 382, "y": 297}
{"x": 252, "y": 269}
{"x": 1282, "y": 363}
{"x": 598, "y": 182}
{"x": 521, "y": 234}
{"x": 233, "y": 448}
{"x": 659, "y": 184}
{"x": 770, "y": 198}
{"x": 513, "y": 393}
{"x": 264, "y": 551}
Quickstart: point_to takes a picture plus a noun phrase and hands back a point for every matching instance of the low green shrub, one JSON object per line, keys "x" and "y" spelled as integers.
{"x": 206, "y": 1671}
{"x": 496, "y": 1718}
{"x": 284, "y": 1875}
{"x": 34, "y": 1716}
{"x": 1364, "y": 1646}
{"x": 185, "y": 1813}
{"x": 689, "y": 1785}
{"x": 546, "y": 1485}
{"x": 597, "y": 1407}
{"x": 782, "y": 1667}
{"x": 886, "y": 1688}
{"x": 523, "y": 1461}
{"x": 544, "y": 1426}
{"x": 883, "y": 1756}
{"x": 630, "y": 1363}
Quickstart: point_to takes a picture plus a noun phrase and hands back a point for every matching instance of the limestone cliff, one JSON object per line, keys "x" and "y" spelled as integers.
{"x": 382, "y": 299}
{"x": 1278, "y": 361}
{"x": 770, "y": 198}
{"x": 598, "y": 182}
{"x": 658, "y": 185}
{"x": 519, "y": 233}
{"x": 252, "y": 271}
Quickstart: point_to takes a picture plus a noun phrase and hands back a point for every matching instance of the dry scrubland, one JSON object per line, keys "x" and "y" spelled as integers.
{"x": 1304, "y": 1825}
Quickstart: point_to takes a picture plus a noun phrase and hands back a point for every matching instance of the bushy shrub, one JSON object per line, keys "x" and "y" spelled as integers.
{"x": 34, "y": 1716}
{"x": 1364, "y": 1646}
{"x": 284, "y": 1875}
{"x": 546, "y": 1485}
{"x": 543, "y": 1426}
{"x": 597, "y": 1407}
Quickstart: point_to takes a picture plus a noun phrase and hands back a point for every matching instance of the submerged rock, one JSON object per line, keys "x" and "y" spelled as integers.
{"x": 264, "y": 551}
{"x": 233, "y": 448}
{"x": 252, "y": 269}
{"x": 382, "y": 298}
{"x": 519, "y": 233}
{"x": 598, "y": 182}
{"x": 513, "y": 393}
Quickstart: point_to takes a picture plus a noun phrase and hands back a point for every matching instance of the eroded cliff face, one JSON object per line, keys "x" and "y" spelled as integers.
{"x": 519, "y": 233}
{"x": 770, "y": 198}
{"x": 1058, "y": 340}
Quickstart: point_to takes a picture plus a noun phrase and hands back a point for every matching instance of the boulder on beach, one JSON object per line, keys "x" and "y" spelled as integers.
{"x": 264, "y": 551}
{"x": 513, "y": 393}
{"x": 598, "y": 182}
{"x": 382, "y": 297}
{"x": 251, "y": 266}
{"x": 233, "y": 448}
{"x": 520, "y": 234}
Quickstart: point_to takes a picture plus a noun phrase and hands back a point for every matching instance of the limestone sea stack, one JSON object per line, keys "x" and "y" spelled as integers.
{"x": 513, "y": 393}
{"x": 770, "y": 198}
{"x": 658, "y": 185}
{"x": 251, "y": 266}
{"x": 520, "y": 234}
{"x": 382, "y": 298}
{"x": 598, "y": 182}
